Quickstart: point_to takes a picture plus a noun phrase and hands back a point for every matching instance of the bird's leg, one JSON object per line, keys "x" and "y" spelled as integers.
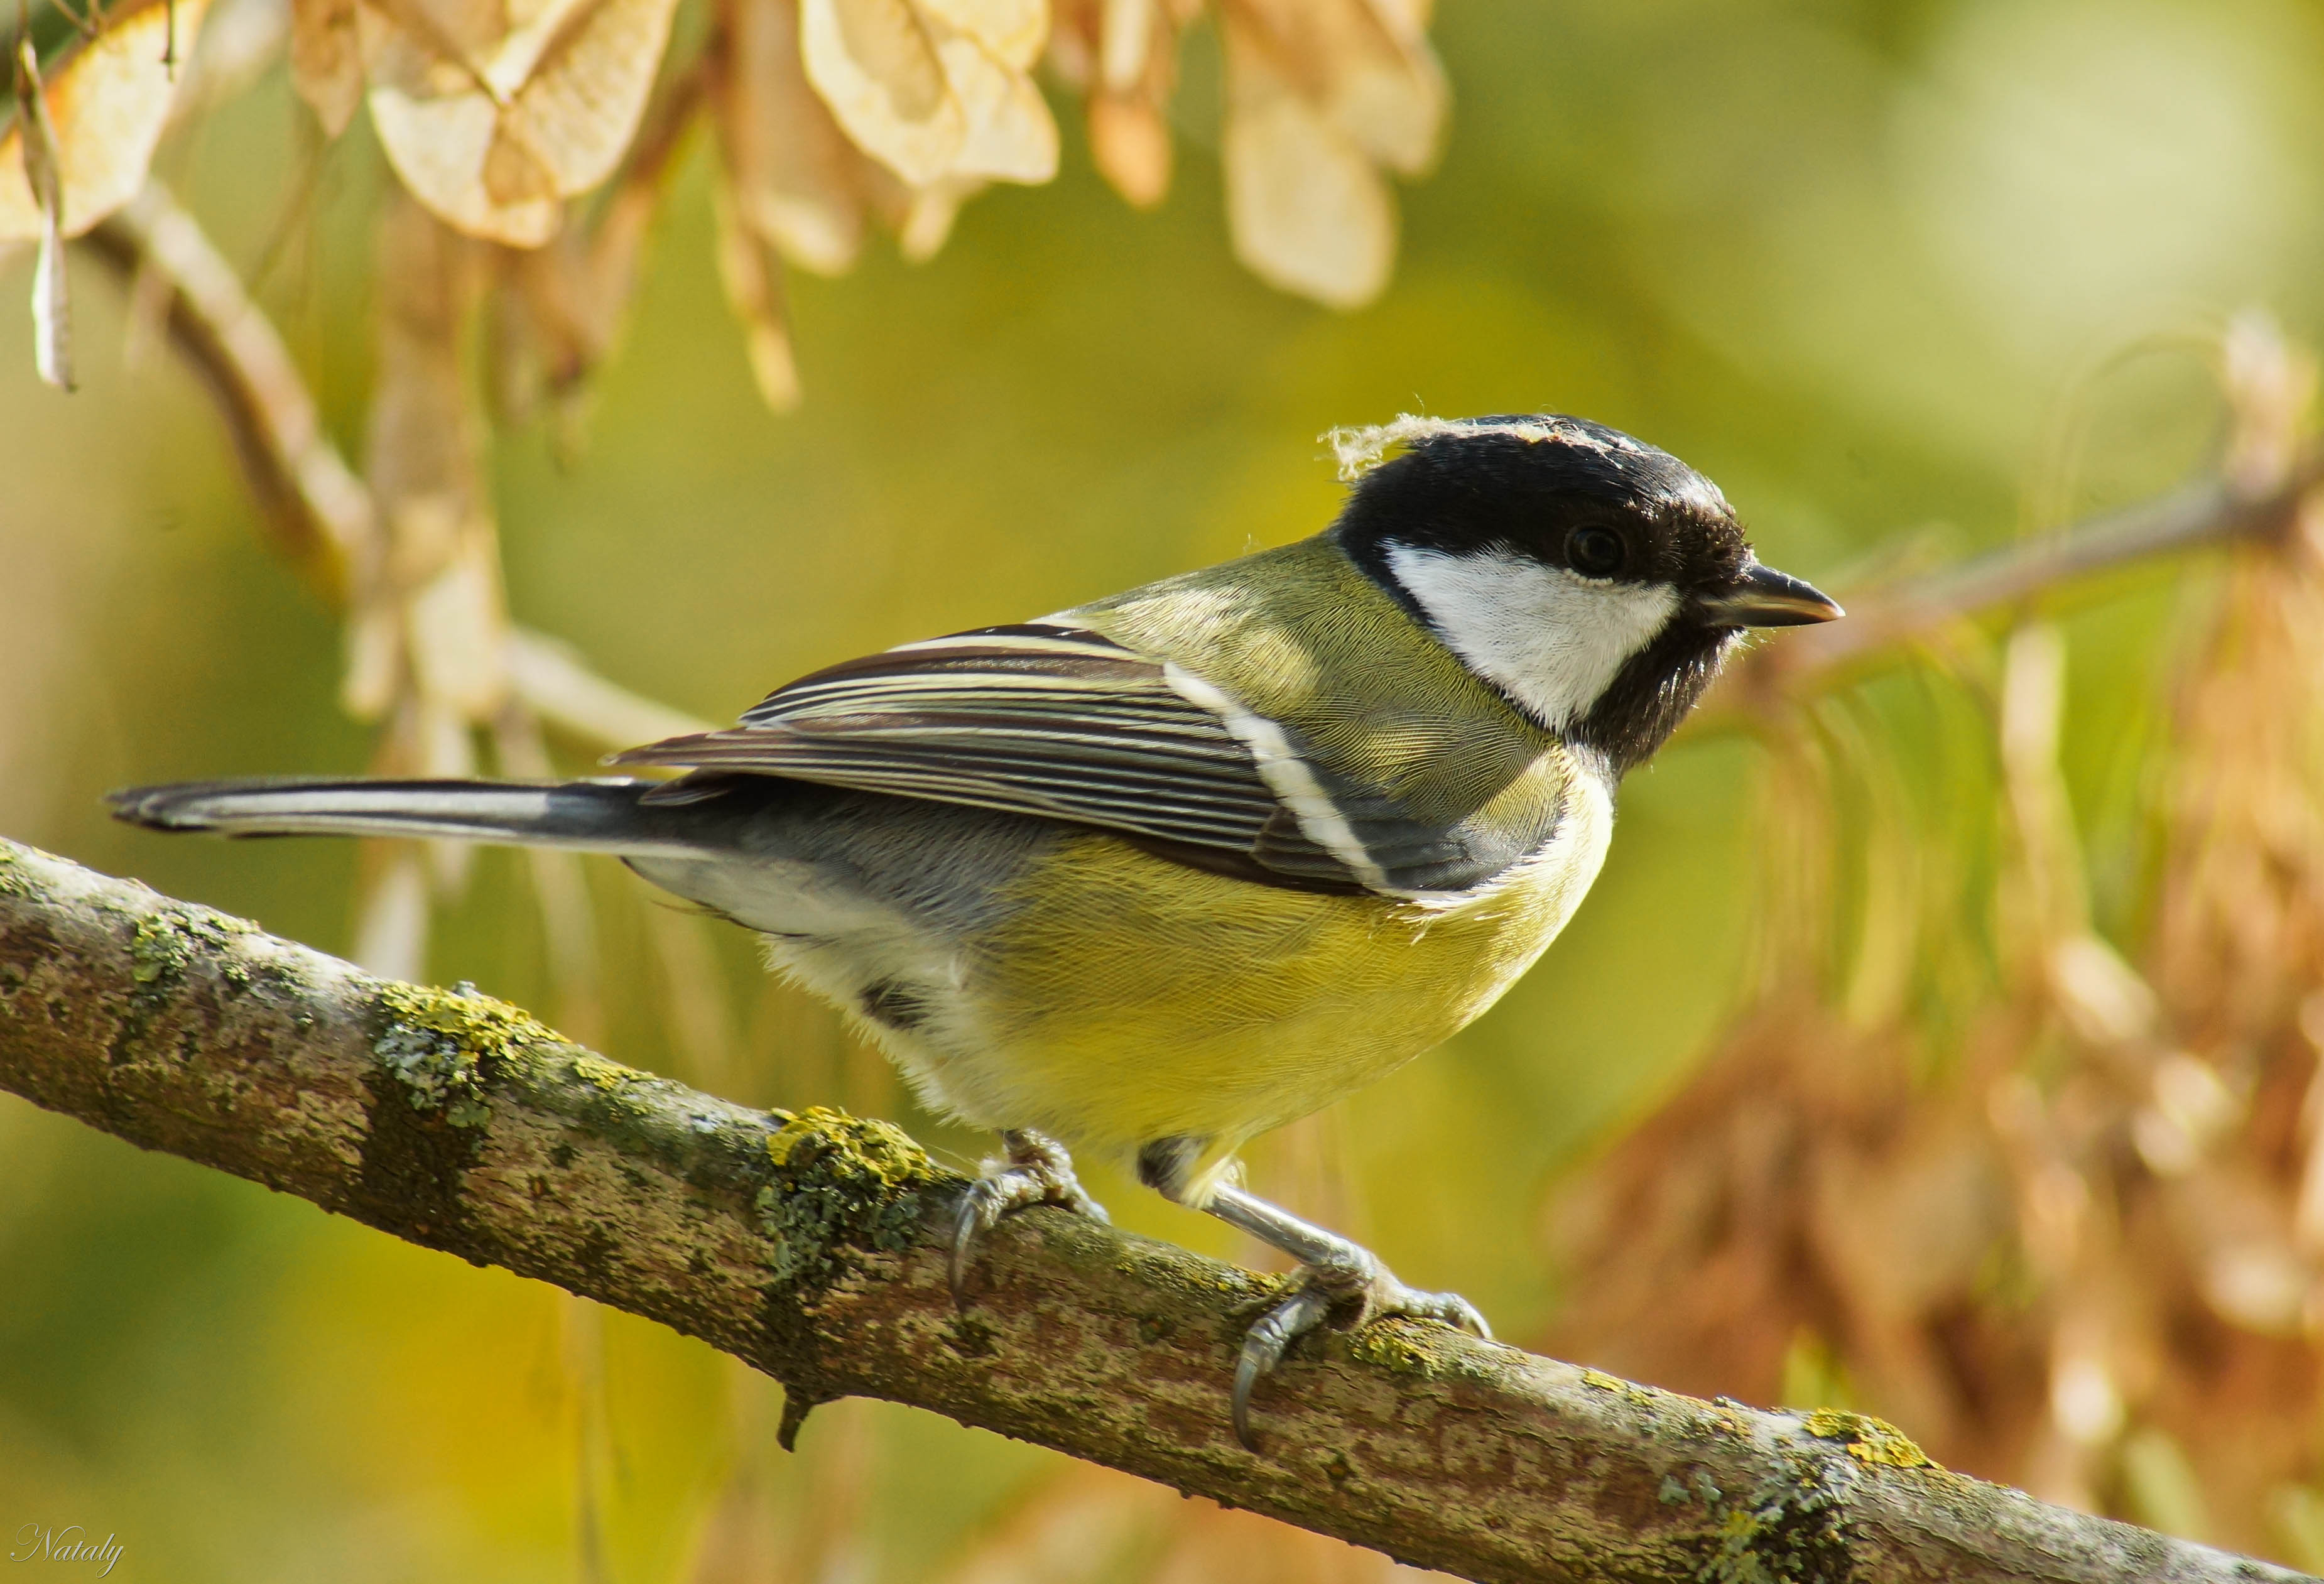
{"x": 1034, "y": 1169}
{"x": 1334, "y": 1272}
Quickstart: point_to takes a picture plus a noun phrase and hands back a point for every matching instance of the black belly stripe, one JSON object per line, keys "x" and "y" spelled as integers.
{"x": 1163, "y": 1164}
{"x": 893, "y": 1004}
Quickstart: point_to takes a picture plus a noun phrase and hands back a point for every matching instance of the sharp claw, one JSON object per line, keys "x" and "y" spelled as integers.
{"x": 1263, "y": 1347}
{"x": 1332, "y": 1272}
{"x": 1036, "y": 1172}
{"x": 1260, "y": 1354}
{"x": 965, "y": 1228}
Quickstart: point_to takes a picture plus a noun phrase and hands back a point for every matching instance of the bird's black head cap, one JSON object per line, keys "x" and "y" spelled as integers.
{"x": 1577, "y": 497}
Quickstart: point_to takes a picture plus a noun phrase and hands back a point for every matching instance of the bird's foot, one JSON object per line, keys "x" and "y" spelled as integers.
{"x": 1335, "y": 1274}
{"x": 1362, "y": 1281}
{"x": 1035, "y": 1170}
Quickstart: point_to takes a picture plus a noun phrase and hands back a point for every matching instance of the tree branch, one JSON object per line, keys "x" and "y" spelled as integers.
{"x": 1883, "y": 621}
{"x": 810, "y": 1245}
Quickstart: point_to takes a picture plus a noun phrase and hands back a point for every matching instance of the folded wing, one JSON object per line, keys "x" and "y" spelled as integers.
{"x": 1037, "y": 719}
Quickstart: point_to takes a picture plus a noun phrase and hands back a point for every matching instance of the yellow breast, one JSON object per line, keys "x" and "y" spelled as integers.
{"x": 1130, "y": 998}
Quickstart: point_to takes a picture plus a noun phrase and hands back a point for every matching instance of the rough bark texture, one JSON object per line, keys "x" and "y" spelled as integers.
{"x": 807, "y": 1245}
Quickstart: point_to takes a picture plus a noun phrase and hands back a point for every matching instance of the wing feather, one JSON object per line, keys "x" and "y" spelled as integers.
{"x": 1039, "y": 719}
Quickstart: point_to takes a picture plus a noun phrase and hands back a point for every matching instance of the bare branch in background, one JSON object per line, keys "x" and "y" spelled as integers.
{"x": 36, "y": 134}
{"x": 556, "y": 684}
{"x": 1882, "y": 622}
{"x": 809, "y": 1247}
{"x": 322, "y": 511}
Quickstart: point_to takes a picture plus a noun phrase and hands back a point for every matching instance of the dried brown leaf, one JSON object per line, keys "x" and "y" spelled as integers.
{"x": 1366, "y": 65}
{"x": 434, "y": 620}
{"x": 935, "y": 89}
{"x": 1126, "y": 42}
{"x": 876, "y": 63}
{"x": 561, "y": 306}
{"x": 373, "y": 662}
{"x": 1131, "y": 142}
{"x": 326, "y": 64}
{"x": 493, "y": 125}
{"x": 456, "y": 624}
{"x": 2271, "y": 386}
{"x": 1123, "y": 55}
{"x": 2241, "y": 936}
{"x": 1011, "y": 31}
{"x": 1308, "y": 213}
{"x": 753, "y": 282}
{"x": 1010, "y": 135}
{"x": 795, "y": 178}
{"x": 106, "y": 103}
{"x": 924, "y": 221}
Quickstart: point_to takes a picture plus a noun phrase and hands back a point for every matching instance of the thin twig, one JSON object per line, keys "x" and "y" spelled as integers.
{"x": 559, "y": 686}
{"x": 1882, "y": 623}
{"x": 813, "y": 1248}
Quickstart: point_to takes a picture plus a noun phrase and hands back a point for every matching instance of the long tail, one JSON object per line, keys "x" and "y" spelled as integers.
{"x": 592, "y": 817}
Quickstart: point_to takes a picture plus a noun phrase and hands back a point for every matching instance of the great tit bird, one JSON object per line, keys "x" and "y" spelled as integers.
{"x": 1155, "y": 874}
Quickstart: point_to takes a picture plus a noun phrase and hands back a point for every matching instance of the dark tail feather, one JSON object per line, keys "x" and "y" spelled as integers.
{"x": 593, "y": 816}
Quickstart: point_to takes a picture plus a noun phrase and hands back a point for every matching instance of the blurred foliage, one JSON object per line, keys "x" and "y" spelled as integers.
{"x": 1967, "y": 1011}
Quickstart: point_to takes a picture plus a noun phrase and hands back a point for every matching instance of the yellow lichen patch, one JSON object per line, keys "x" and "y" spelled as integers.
{"x": 793, "y": 1133}
{"x": 444, "y": 1046}
{"x": 482, "y": 1026}
{"x": 1396, "y": 1348}
{"x": 1869, "y": 1440}
{"x": 1603, "y": 1381}
{"x": 609, "y": 1076}
{"x": 882, "y": 1149}
{"x": 839, "y": 1183}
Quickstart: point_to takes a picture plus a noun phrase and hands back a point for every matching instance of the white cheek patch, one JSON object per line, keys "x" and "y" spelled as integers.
{"x": 1552, "y": 640}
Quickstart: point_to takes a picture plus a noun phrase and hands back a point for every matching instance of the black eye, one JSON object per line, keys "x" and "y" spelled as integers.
{"x": 1594, "y": 552}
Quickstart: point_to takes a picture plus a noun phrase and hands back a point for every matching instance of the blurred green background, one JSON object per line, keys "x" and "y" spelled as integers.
{"x": 1863, "y": 264}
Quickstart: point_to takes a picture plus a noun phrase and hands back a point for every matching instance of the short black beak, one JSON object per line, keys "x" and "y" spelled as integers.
{"x": 1764, "y": 597}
